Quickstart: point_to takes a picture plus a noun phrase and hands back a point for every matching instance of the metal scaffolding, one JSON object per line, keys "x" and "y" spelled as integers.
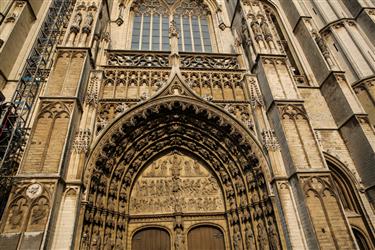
{"x": 16, "y": 115}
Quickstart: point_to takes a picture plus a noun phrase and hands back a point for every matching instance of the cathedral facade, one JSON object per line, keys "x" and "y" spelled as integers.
{"x": 188, "y": 124}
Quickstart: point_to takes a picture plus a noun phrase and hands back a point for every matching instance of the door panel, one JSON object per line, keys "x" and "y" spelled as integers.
{"x": 151, "y": 239}
{"x": 206, "y": 238}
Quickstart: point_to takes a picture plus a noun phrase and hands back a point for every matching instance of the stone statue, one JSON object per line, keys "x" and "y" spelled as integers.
{"x": 320, "y": 42}
{"x": 76, "y": 22}
{"x": 262, "y": 237}
{"x": 256, "y": 29}
{"x": 173, "y": 37}
{"x": 88, "y": 23}
{"x": 274, "y": 238}
{"x": 249, "y": 237}
{"x": 173, "y": 32}
{"x": 237, "y": 238}
{"x": 95, "y": 242}
{"x": 15, "y": 219}
{"x": 265, "y": 28}
{"x": 39, "y": 213}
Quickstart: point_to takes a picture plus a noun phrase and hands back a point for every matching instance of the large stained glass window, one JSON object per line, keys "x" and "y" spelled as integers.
{"x": 151, "y": 25}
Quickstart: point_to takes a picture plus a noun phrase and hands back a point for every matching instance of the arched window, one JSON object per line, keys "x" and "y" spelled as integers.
{"x": 361, "y": 240}
{"x": 346, "y": 191}
{"x": 284, "y": 41}
{"x": 352, "y": 205}
{"x": 151, "y": 25}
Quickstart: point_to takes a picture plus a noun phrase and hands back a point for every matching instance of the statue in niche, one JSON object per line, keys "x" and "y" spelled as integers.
{"x": 237, "y": 238}
{"x": 179, "y": 243}
{"x": 95, "y": 242}
{"x": 320, "y": 42}
{"x": 74, "y": 28}
{"x": 262, "y": 237}
{"x": 249, "y": 237}
{"x": 77, "y": 20}
{"x": 235, "y": 218}
{"x": 119, "y": 245}
{"x": 17, "y": 214}
{"x": 108, "y": 243}
{"x": 39, "y": 212}
{"x": 274, "y": 238}
{"x": 88, "y": 23}
{"x": 265, "y": 28}
{"x": 256, "y": 29}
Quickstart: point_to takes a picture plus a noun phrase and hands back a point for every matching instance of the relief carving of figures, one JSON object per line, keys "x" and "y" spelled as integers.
{"x": 17, "y": 213}
{"x": 39, "y": 213}
{"x": 175, "y": 182}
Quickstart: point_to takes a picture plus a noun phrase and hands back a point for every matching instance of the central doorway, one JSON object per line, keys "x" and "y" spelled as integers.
{"x": 176, "y": 203}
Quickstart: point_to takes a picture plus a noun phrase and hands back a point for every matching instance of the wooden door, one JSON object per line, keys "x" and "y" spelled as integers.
{"x": 206, "y": 238}
{"x": 151, "y": 239}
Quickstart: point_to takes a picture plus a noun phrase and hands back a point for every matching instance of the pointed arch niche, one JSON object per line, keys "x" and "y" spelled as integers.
{"x": 177, "y": 130}
{"x": 347, "y": 187}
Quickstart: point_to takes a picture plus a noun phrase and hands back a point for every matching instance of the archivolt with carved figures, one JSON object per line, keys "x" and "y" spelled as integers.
{"x": 195, "y": 128}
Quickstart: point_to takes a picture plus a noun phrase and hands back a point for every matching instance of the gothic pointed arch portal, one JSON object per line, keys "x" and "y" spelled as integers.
{"x": 177, "y": 129}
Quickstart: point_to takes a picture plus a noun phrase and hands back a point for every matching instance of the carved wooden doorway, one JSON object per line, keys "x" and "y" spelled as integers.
{"x": 206, "y": 238}
{"x": 151, "y": 239}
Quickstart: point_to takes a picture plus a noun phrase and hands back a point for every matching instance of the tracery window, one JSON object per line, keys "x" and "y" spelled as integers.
{"x": 351, "y": 204}
{"x": 151, "y": 25}
{"x": 284, "y": 42}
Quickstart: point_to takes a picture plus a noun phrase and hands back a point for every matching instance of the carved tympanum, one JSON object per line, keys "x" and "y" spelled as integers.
{"x": 175, "y": 182}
